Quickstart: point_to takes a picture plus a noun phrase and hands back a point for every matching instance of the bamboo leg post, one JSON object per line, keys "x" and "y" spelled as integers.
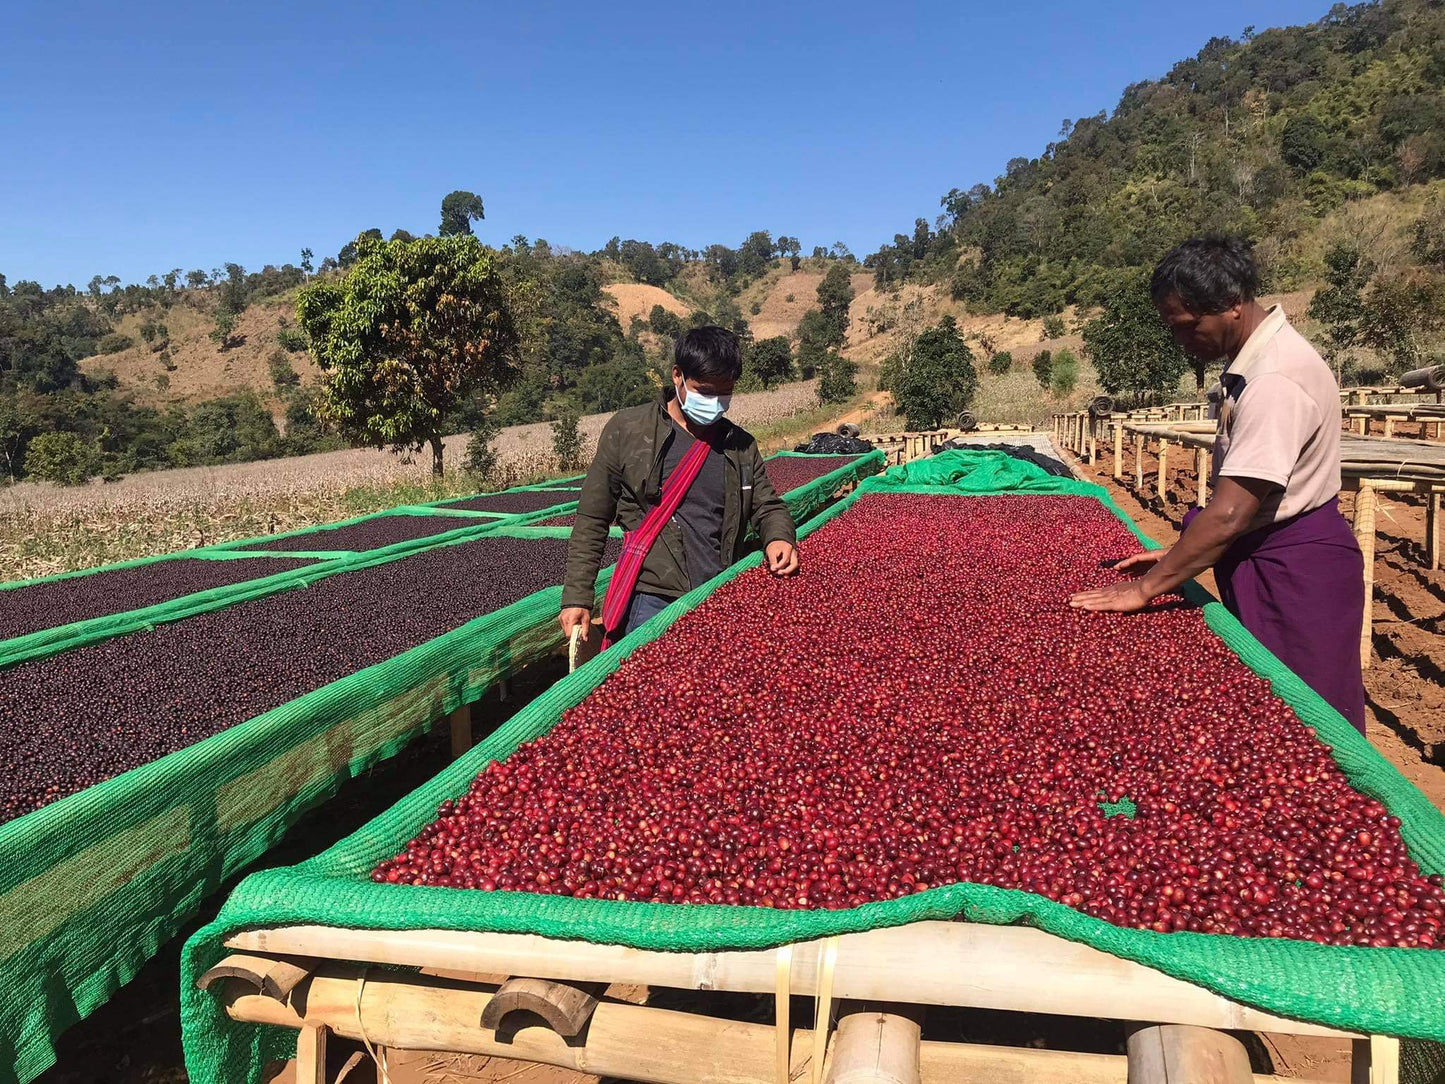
{"x": 1375, "y": 1060}
{"x": 876, "y": 1048}
{"x": 1118, "y": 452}
{"x": 1362, "y": 424}
{"x": 1365, "y": 503}
{"x": 1138, "y": 462}
{"x": 461, "y": 727}
{"x": 1163, "y": 481}
{"x": 1201, "y": 469}
{"x": 504, "y": 690}
{"x": 311, "y": 1054}
{"x": 1183, "y": 1054}
{"x": 1093, "y": 443}
{"x": 1389, "y": 426}
{"x": 1432, "y": 529}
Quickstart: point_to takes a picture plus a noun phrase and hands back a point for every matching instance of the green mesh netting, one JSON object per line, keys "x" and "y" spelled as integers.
{"x": 1392, "y": 991}
{"x": 810, "y": 498}
{"x": 92, "y": 885}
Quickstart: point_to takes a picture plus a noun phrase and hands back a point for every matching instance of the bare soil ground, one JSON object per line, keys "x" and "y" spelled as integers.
{"x": 635, "y": 299}
{"x": 202, "y": 370}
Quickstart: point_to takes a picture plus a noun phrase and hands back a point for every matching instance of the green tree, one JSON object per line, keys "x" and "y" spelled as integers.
{"x": 936, "y": 380}
{"x": 459, "y": 210}
{"x": 1054, "y": 326}
{"x": 1000, "y": 363}
{"x": 1339, "y": 305}
{"x": 1064, "y": 373}
{"x": 567, "y": 443}
{"x": 836, "y": 383}
{"x": 1043, "y": 366}
{"x": 306, "y": 265}
{"x": 835, "y": 294}
{"x": 768, "y": 362}
{"x": 1303, "y": 143}
{"x": 1130, "y": 346}
{"x": 406, "y": 335}
{"x": 664, "y": 322}
{"x": 62, "y": 458}
{"x": 224, "y": 330}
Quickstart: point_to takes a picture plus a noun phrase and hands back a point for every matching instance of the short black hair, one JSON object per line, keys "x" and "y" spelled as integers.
{"x": 709, "y": 353}
{"x": 1208, "y": 274}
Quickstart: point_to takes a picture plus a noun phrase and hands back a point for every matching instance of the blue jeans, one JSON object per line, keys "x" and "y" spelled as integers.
{"x": 643, "y": 608}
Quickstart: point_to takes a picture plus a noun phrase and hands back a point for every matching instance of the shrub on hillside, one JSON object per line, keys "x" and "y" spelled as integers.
{"x": 283, "y": 374}
{"x": 1000, "y": 363}
{"x": 291, "y": 339}
{"x": 1054, "y": 327}
{"x": 756, "y": 307}
{"x": 663, "y": 322}
{"x": 114, "y": 343}
{"x": 1043, "y": 366}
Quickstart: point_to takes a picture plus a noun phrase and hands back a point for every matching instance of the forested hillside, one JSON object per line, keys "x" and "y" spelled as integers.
{"x": 1270, "y": 136}
{"x": 1324, "y": 143}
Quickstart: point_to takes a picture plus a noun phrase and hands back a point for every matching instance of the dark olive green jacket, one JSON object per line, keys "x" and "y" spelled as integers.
{"x": 625, "y": 481}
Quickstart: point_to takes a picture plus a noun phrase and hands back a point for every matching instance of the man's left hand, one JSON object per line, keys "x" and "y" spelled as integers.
{"x": 1125, "y": 597}
{"x": 782, "y": 558}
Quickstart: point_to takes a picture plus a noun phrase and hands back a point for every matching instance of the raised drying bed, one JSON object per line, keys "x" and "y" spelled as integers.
{"x": 256, "y": 707}
{"x": 1218, "y": 979}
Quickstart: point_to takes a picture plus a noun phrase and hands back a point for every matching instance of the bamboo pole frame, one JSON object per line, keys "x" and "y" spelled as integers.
{"x": 402, "y": 1011}
{"x": 1365, "y": 504}
{"x": 914, "y": 964}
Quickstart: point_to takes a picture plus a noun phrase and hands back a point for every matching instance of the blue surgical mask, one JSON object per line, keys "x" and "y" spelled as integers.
{"x": 702, "y": 409}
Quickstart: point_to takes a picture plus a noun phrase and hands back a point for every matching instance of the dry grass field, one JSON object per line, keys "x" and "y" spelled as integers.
{"x": 46, "y": 529}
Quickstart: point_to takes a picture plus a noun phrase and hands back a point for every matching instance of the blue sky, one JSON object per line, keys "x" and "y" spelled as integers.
{"x": 136, "y": 137}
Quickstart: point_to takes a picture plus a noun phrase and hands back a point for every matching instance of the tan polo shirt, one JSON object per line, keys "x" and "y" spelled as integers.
{"x": 1279, "y": 421}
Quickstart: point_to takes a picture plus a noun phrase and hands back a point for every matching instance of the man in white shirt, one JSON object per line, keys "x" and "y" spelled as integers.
{"x": 1286, "y": 562}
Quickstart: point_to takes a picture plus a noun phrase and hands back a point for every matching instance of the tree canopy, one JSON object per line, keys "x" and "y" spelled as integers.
{"x": 411, "y": 330}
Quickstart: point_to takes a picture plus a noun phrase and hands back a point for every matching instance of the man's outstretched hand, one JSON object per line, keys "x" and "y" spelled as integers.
{"x": 782, "y": 558}
{"x": 1127, "y": 596}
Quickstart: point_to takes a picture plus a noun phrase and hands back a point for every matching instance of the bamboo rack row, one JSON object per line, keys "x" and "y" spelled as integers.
{"x": 1369, "y": 467}
{"x": 1427, "y": 415}
{"x": 908, "y": 446}
{"x": 328, "y": 981}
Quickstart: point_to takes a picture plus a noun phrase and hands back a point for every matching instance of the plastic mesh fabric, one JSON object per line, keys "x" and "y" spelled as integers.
{"x": 93, "y": 884}
{"x": 1391, "y": 991}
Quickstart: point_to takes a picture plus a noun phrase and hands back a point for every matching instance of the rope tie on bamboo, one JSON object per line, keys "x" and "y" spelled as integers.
{"x": 376, "y": 1054}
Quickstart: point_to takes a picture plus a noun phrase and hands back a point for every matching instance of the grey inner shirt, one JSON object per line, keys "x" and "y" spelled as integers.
{"x": 700, "y": 515}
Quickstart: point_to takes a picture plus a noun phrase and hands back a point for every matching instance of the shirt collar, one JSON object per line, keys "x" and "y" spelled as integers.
{"x": 1255, "y": 345}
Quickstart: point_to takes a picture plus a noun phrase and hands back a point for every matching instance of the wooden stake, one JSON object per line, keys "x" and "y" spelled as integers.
{"x": 461, "y": 726}
{"x": 1138, "y": 462}
{"x": 311, "y": 1054}
{"x": 1180, "y": 1054}
{"x": 1432, "y": 529}
{"x": 1201, "y": 469}
{"x": 1118, "y": 451}
{"x": 1365, "y": 503}
{"x": 1163, "y": 482}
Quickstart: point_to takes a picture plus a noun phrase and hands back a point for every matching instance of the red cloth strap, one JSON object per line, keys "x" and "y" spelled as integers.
{"x": 636, "y": 544}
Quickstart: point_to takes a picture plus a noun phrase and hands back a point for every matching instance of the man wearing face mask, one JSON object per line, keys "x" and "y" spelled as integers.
{"x": 1286, "y": 562}
{"x": 646, "y": 459}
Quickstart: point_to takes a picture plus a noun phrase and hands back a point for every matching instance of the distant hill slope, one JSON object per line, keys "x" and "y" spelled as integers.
{"x": 201, "y": 370}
